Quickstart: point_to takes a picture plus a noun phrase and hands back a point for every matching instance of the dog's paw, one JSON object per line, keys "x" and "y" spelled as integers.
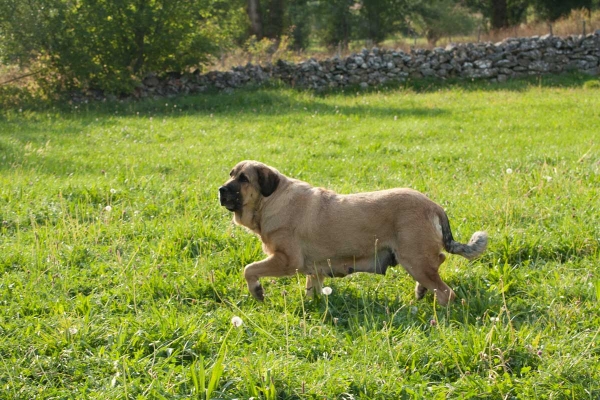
{"x": 420, "y": 291}
{"x": 258, "y": 292}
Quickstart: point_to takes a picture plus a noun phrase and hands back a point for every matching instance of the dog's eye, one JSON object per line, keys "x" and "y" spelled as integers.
{"x": 243, "y": 178}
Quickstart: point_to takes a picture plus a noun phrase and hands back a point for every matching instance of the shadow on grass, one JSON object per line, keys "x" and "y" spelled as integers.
{"x": 279, "y": 99}
{"x": 273, "y": 99}
{"x": 26, "y": 129}
{"x": 24, "y": 143}
{"x": 566, "y": 80}
{"x": 479, "y": 301}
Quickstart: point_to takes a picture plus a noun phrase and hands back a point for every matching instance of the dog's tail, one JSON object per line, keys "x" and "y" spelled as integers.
{"x": 471, "y": 250}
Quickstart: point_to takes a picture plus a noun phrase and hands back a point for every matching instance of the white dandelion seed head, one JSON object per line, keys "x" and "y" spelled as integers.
{"x": 113, "y": 191}
{"x": 326, "y": 290}
{"x": 509, "y": 171}
{"x": 237, "y": 321}
{"x": 414, "y": 310}
{"x": 108, "y": 208}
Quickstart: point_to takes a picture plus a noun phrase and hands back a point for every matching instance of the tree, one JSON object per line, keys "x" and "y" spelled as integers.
{"x": 554, "y": 9}
{"x": 500, "y": 13}
{"x": 439, "y": 18}
{"x": 274, "y": 18}
{"x": 299, "y": 19}
{"x": 109, "y": 45}
{"x": 336, "y": 21}
{"x": 382, "y": 18}
{"x": 255, "y": 18}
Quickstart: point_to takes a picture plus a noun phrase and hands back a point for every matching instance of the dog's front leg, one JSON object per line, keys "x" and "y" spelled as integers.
{"x": 278, "y": 264}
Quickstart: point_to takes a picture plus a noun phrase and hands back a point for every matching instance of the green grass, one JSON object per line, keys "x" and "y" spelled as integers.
{"x": 135, "y": 300}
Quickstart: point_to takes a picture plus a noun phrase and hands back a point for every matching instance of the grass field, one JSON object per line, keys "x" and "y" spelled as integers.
{"x": 120, "y": 273}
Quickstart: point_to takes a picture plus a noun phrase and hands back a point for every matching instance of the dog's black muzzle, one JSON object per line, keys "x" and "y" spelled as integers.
{"x": 230, "y": 198}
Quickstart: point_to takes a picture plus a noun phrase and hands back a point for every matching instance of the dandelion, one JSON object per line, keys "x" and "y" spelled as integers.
{"x": 509, "y": 171}
{"x": 108, "y": 208}
{"x": 326, "y": 290}
{"x": 237, "y": 321}
{"x": 113, "y": 191}
{"x": 414, "y": 310}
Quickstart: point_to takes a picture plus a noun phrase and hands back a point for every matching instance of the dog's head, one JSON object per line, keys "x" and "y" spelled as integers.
{"x": 248, "y": 182}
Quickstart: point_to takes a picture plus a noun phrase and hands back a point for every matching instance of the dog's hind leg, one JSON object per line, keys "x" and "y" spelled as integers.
{"x": 314, "y": 284}
{"x": 424, "y": 269}
{"x": 420, "y": 290}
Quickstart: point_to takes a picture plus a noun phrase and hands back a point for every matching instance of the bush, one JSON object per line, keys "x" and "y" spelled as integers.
{"x": 111, "y": 45}
{"x": 594, "y": 84}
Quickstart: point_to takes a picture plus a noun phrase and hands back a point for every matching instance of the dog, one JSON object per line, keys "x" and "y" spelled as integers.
{"x": 320, "y": 233}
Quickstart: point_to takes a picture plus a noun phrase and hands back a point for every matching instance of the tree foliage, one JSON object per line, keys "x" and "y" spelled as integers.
{"x": 555, "y": 9}
{"x": 438, "y": 18}
{"x": 108, "y": 44}
{"x": 382, "y": 18}
{"x": 500, "y": 13}
{"x": 336, "y": 22}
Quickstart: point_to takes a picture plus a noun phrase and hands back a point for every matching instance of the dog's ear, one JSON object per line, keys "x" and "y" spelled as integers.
{"x": 268, "y": 180}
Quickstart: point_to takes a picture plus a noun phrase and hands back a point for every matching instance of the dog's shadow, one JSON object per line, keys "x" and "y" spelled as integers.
{"x": 394, "y": 307}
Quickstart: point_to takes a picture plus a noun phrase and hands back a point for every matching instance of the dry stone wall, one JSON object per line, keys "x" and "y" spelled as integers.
{"x": 496, "y": 62}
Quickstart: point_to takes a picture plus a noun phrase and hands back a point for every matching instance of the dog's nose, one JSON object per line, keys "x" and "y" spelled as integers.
{"x": 223, "y": 190}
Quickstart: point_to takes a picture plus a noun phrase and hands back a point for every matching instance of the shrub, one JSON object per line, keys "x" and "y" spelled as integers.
{"x": 110, "y": 45}
{"x": 594, "y": 84}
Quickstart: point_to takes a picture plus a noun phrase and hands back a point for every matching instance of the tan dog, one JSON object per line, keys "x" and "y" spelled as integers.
{"x": 320, "y": 233}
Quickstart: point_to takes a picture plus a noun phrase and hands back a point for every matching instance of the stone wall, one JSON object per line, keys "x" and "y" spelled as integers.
{"x": 496, "y": 62}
